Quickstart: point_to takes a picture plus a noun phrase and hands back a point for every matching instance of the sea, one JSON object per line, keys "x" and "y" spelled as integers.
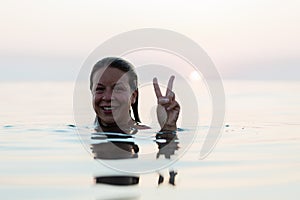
{"x": 257, "y": 154}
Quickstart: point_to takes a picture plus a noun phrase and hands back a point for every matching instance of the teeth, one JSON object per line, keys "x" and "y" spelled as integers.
{"x": 107, "y": 108}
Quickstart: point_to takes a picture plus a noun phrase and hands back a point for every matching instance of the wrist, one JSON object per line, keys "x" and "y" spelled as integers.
{"x": 167, "y": 128}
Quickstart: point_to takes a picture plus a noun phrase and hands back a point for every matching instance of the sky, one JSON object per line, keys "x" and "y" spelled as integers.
{"x": 50, "y": 40}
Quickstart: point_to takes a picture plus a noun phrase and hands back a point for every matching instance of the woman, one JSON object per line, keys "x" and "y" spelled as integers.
{"x": 113, "y": 83}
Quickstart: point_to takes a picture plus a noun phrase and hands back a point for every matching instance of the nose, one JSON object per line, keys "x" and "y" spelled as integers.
{"x": 107, "y": 95}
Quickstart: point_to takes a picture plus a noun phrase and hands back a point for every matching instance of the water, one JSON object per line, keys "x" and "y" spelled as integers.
{"x": 257, "y": 156}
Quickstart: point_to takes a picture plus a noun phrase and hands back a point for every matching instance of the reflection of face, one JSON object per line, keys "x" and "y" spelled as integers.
{"x": 112, "y": 96}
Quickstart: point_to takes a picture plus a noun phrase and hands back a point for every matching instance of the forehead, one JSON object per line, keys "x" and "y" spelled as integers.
{"x": 109, "y": 76}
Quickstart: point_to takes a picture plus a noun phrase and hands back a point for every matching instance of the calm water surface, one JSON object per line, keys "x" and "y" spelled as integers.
{"x": 257, "y": 156}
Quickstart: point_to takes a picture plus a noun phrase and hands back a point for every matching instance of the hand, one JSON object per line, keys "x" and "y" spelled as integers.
{"x": 167, "y": 108}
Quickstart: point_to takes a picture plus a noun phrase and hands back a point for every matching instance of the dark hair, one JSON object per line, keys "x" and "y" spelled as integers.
{"x": 125, "y": 66}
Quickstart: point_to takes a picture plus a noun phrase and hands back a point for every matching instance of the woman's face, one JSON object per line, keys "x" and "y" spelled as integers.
{"x": 112, "y": 96}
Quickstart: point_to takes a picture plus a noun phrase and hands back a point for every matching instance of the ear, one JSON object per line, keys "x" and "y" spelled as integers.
{"x": 133, "y": 97}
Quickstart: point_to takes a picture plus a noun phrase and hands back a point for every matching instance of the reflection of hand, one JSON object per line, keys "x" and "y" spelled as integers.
{"x": 167, "y": 108}
{"x": 168, "y": 146}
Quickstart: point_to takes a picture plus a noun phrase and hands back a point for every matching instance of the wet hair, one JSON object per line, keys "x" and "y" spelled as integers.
{"x": 125, "y": 66}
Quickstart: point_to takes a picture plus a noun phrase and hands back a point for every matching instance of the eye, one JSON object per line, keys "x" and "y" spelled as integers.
{"x": 119, "y": 88}
{"x": 100, "y": 89}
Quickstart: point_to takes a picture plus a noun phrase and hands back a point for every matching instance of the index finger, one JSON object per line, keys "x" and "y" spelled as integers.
{"x": 156, "y": 88}
{"x": 170, "y": 86}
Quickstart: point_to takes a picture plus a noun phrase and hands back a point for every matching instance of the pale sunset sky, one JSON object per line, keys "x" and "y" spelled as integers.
{"x": 49, "y": 40}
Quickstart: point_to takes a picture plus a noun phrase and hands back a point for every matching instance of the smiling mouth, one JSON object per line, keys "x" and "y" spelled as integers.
{"x": 108, "y": 109}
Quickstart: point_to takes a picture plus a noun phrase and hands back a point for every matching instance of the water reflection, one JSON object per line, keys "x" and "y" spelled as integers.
{"x": 117, "y": 180}
{"x": 118, "y": 146}
{"x": 167, "y": 143}
{"x": 113, "y": 146}
{"x": 115, "y": 150}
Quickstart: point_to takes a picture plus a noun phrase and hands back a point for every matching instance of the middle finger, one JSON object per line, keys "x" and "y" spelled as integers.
{"x": 170, "y": 86}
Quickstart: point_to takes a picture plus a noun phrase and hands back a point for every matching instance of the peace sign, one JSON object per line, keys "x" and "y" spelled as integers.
{"x": 168, "y": 108}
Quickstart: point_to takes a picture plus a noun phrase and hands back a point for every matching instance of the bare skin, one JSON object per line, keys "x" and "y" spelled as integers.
{"x": 168, "y": 108}
{"x": 112, "y": 98}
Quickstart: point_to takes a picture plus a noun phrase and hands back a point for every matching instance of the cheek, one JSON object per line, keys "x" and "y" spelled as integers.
{"x": 96, "y": 99}
{"x": 128, "y": 97}
{"x": 122, "y": 102}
